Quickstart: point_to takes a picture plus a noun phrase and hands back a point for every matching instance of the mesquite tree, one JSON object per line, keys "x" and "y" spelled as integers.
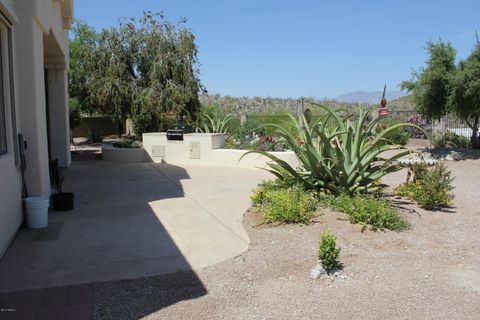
{"x": 166, "y": 64}
{"x": 144, "y": 69}
{"x": 113, "y": 76}
{"x": 464, "y": 95}
{"x": 444, "y": 87}
{"x": 82, "y": 47}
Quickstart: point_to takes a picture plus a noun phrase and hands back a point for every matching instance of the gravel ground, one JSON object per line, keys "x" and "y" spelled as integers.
{"x": 431, "y": 271}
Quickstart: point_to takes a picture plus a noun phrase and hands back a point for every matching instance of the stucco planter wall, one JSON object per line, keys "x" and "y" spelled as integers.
{"x": 204, "y": 148}
{"x": 110, "y": 153}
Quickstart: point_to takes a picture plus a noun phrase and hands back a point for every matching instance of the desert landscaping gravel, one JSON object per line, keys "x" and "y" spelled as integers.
{"x": 430, "y": 271}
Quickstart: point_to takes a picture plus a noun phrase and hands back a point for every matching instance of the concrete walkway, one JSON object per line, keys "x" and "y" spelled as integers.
{"x": 134, "y": 220}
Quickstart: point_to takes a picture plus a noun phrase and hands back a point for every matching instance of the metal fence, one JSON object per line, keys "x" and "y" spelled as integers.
{"x": 455, "y": 125}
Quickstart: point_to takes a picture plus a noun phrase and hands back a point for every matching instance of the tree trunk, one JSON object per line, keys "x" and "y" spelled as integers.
{"x": 119, "y": 128}
{"x": 474, "y": 139}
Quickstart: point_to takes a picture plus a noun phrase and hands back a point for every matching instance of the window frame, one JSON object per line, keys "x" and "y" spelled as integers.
{"x": 11, "y": 85}
{"x": 3, "y": 113}
{"x": 8, "y": 124}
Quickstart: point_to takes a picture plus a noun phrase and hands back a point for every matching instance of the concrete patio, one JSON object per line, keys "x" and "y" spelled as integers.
{"x": 134, "y": 220}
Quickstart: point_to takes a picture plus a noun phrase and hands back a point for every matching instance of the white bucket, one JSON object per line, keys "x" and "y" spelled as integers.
{"x": 37, "y": 212}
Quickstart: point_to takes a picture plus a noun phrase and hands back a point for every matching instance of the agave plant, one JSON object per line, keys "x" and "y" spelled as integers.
{"x": 343, "y": 158}
{"x": 212, "y": 124}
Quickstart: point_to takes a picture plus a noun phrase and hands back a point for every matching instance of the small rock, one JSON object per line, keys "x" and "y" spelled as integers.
{"x": 320, "y": 268}
{"x": 448, "y": 157}
{"x": 317, "y": 272}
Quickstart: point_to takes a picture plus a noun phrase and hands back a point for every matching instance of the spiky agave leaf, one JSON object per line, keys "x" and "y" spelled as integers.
{"x": 343, "y": 159}
{"x": 214, "y": 124}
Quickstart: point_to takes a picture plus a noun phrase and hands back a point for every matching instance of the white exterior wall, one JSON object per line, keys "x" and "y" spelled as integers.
{"x": 211, "y": 151}
{"x": 31, "y": 102}
{"x": 40, "y": 41}
{"x": 59, "y": 119}
{"x": 10, "y": 182}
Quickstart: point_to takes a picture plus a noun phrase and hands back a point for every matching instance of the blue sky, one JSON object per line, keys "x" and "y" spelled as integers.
{"x": 308, "y": 48}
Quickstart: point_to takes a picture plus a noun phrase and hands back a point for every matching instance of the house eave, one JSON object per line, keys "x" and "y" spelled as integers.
{"x": 7, "y": 13}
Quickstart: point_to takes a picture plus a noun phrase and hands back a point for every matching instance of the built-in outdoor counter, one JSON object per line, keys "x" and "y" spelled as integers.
{"x": 204, "y": 148}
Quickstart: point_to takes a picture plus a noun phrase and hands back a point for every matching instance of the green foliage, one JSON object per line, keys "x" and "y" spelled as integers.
{"x": 342, "y": 158}
{"x": 127, "y": 144}
{"x": 398, "y": 136}
{"x": 442, "y": 86}
{"x": 431, "y": 189}
{"x": 279, "y": 117}
{"x": 281, "y": 202}
{"x": 167, "y": 61}
{"x": 430, "y": 86}
{"x": 230, "y": 143}
{"x": 95, "y": 136}
{"x": 328, "y": 253}
{"x": 367, "y": 210}
{"x": 449, "y": 140}
{"x": 251, "y": 135}
{"x": 143, "y": 68}
{"x": 75, "y": 115}
{"x": 82, "y": 47}
{"x": 215, "y": 124}
{"x": 246, "y": 131}
{"x": 465, "y": 92}
{"x": 419, "y": 170}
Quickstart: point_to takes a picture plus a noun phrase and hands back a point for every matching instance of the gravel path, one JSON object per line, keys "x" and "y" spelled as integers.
{"x": 431, "y": 271}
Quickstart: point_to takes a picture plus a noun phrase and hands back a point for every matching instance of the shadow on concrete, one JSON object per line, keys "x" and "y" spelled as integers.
{"x": 84, "y": 154}
{"x": 112, "y": 234}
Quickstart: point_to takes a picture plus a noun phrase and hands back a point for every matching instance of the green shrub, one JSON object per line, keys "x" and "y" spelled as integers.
{"x": 272, "y": 186}
{"x": 398, "y": 136}
{"x": 75, "y": 115}
{"x": 95, "y": 136}
{"x": 230, "y": 143}
{"x": 244, "y": 134}
{"x": 328, "y": 253}
{"x": 367, "y": 210}
{"x": 127, "y": 143}
{"x": 431, "y": 188}
{"x": 450, "y": 140}
{"x": 281, "y": 203}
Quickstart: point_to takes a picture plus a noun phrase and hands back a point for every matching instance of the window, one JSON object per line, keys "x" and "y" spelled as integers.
{"x": 3, "y": 128}
{"x": 8, "y": 125}
{"x": 12, "y": 97}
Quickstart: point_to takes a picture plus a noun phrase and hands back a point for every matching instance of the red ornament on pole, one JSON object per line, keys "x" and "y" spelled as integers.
{"x": 383, "y": 111}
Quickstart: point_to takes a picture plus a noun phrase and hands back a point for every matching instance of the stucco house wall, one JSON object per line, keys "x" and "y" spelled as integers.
{"x": 35, "y": 100}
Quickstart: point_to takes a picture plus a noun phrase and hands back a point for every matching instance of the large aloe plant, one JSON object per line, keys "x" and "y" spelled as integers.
{"x": 343, "y": 158}
{"x": 212, "y": 124}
